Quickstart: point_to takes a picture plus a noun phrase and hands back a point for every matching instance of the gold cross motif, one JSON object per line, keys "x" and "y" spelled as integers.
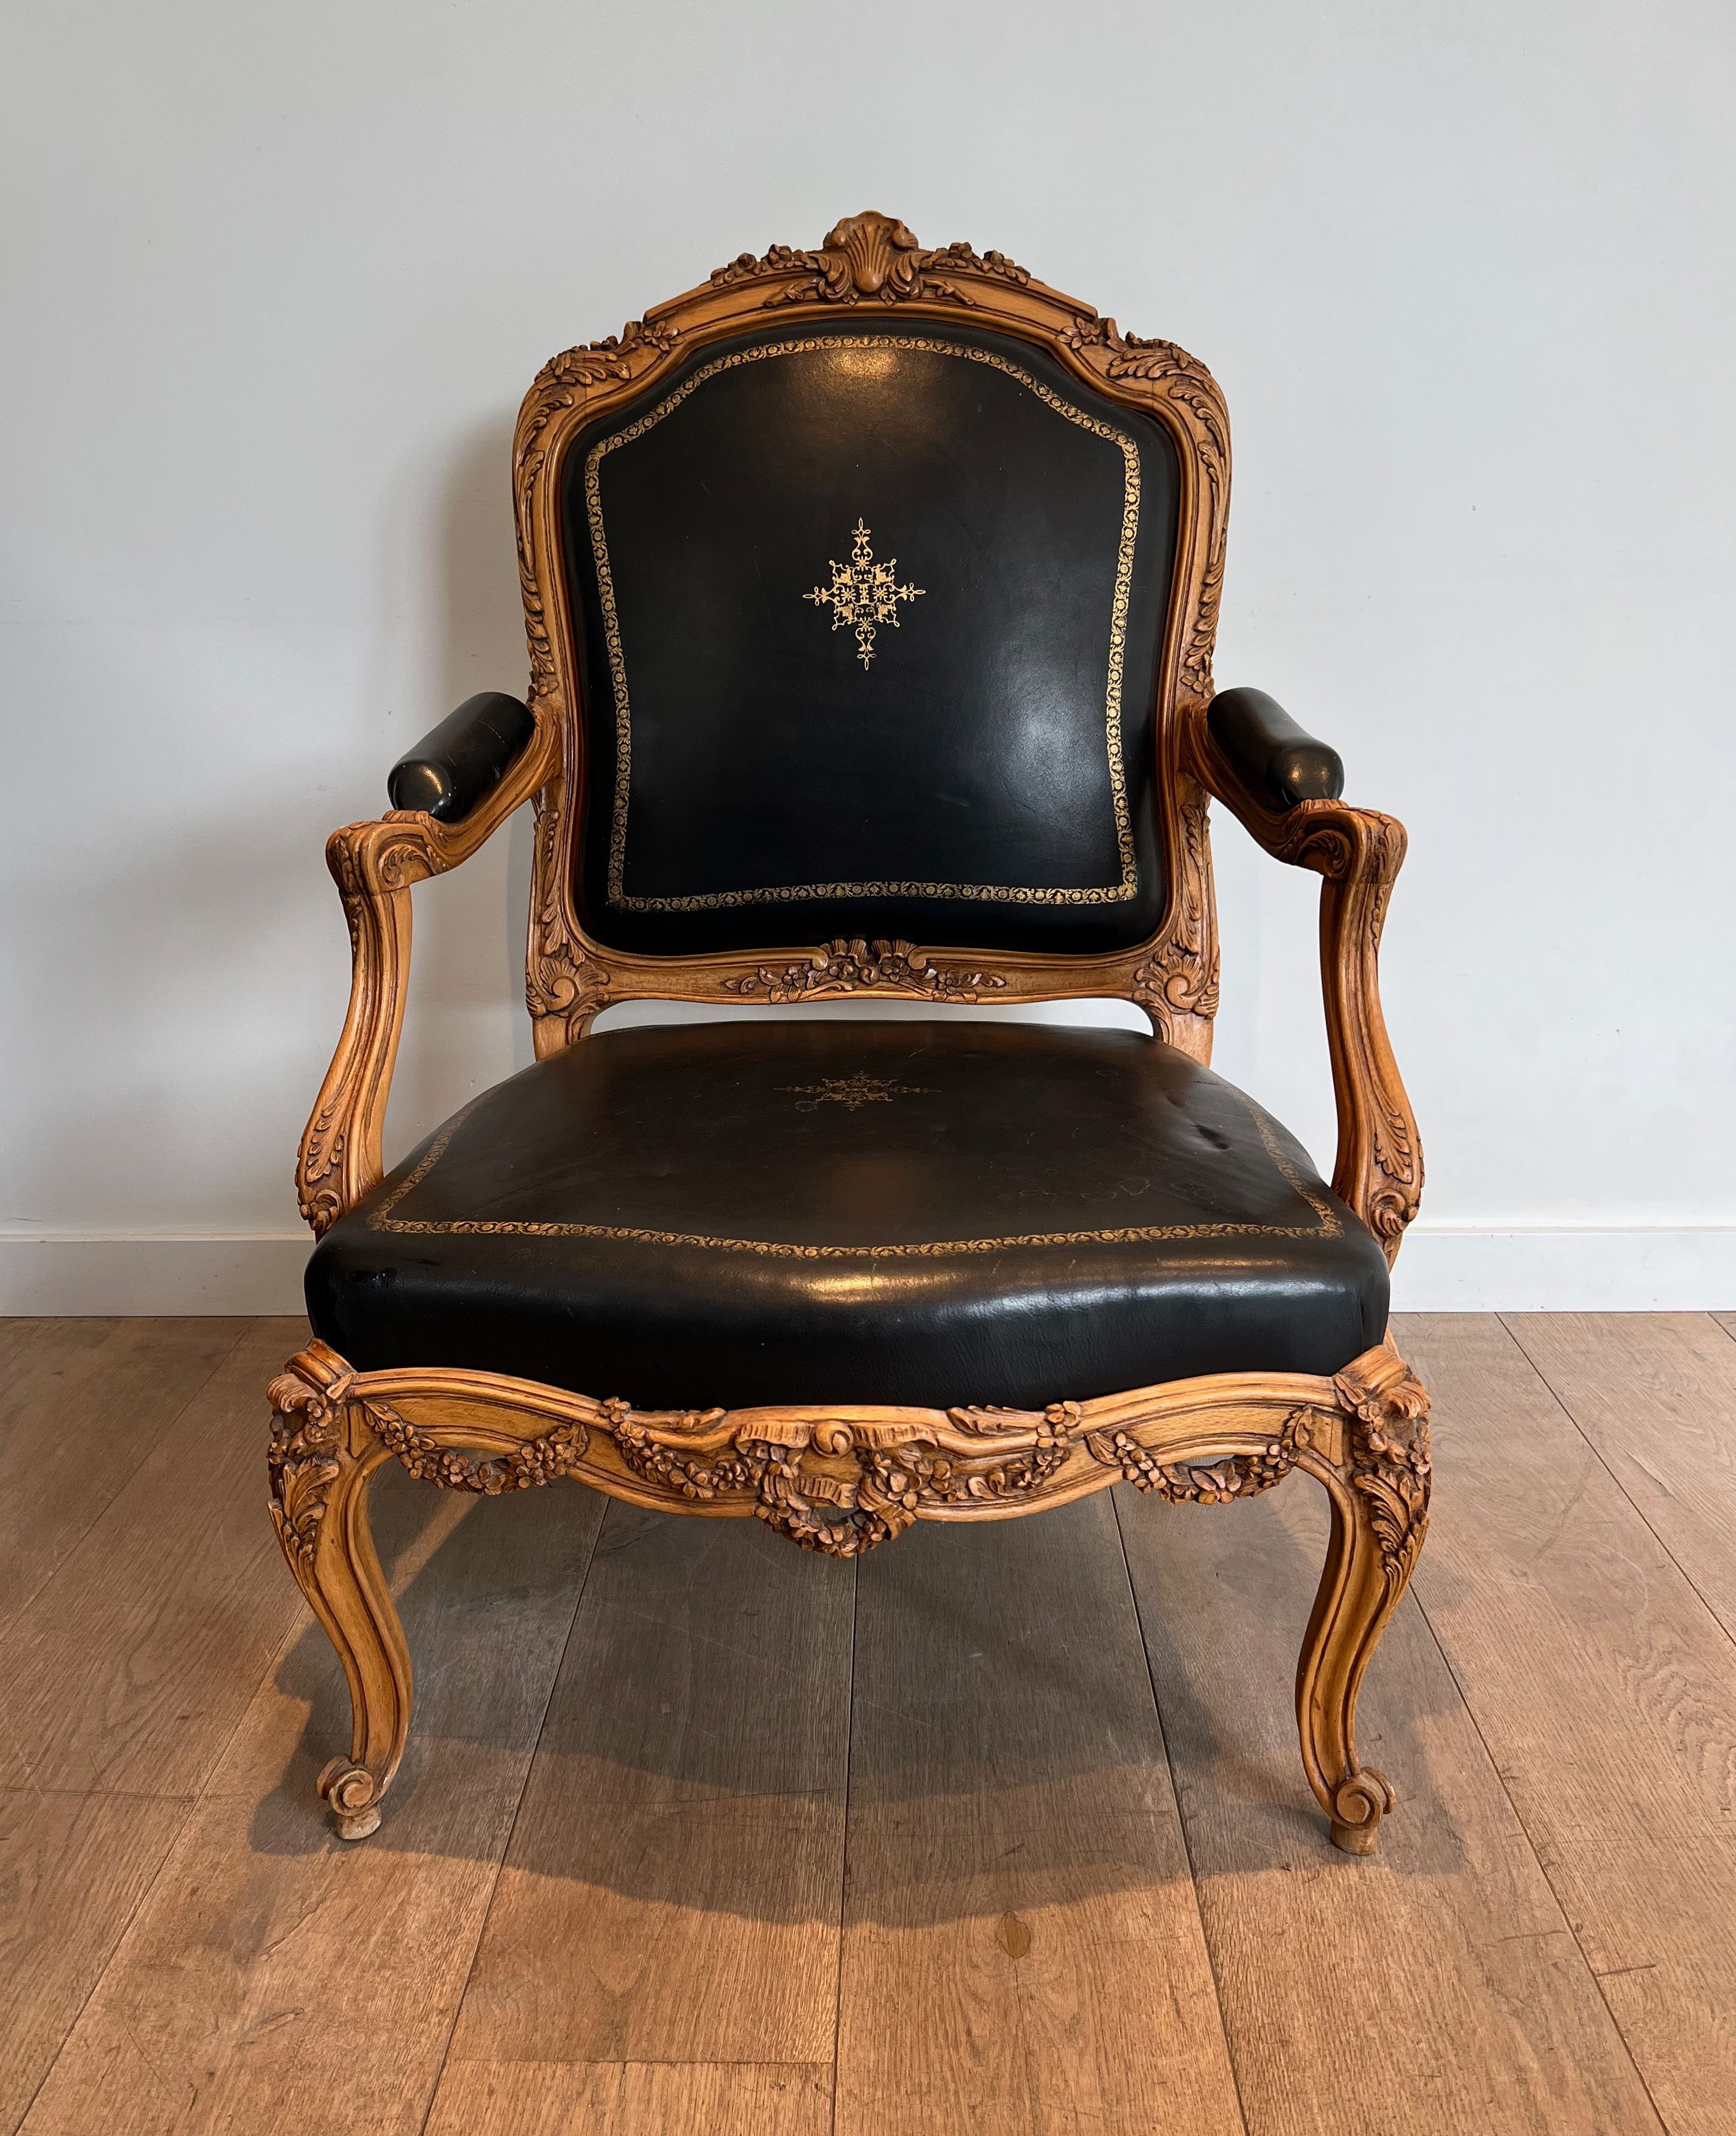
{"x": 852, "y": 1091}
{"x": 863, "y": 594}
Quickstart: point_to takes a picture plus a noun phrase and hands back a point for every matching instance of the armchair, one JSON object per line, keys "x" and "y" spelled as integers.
{"x": 870, "y": 594}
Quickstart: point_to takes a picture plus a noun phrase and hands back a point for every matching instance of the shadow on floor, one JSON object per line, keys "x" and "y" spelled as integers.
{"x": 979, "y": 1695}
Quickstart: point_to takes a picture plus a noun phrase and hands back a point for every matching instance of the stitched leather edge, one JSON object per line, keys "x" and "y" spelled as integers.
{"x": 988, "y": 893}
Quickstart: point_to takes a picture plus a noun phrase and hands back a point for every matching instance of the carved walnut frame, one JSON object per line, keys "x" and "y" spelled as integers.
{"x": 839, "y": 1479}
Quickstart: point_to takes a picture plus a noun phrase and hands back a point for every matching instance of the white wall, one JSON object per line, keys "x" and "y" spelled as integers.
{"x": 275, "y": 280}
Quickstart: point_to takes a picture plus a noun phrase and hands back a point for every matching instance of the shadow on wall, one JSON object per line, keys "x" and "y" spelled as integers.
{"x": 466, "y": 1027}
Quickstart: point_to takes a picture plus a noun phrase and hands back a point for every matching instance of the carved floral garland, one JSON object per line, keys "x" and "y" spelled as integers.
{"x": 536, "y": 1462}
{"x": 837, "y": 1487}
{"x": 842, "y": 1487}
{"x": 843, "y": 966}
{"x": 1206, "y": 1483}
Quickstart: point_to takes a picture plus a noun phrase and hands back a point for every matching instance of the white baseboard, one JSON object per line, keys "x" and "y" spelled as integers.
{"x": 194, "y": 1275}
{"x": 1459, "y": 1268}
{"x": 1448, "y": 1269}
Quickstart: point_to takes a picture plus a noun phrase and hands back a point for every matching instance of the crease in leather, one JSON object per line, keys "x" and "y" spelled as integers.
{"x": 381, "y": 1218}
{"x": 1041, "y": 1214}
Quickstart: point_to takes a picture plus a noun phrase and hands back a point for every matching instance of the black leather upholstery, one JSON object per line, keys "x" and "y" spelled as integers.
{"x": 922, "y": 1212}
{"x": 465, "y": 757}
{"x": 1280, "y": 762}
{"x": 984, "y": 777}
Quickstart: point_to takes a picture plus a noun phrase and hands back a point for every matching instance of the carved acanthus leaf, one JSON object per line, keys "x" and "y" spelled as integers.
{"x": 559, "y": 386}
{"x": 1180, "y": 977}
{"x": 1131, "y": 355}
{"x": 872, "y": 256}
{"x": 1359, "y": 852}
{"x": 319, "y": 1174}
{"x": 1193, "y": 391}
{"x": 1390, "y": 1460}
{"x": 842, "y": 967}
{"x": 617, "y": 356}
{"x": 305, "y": 1458}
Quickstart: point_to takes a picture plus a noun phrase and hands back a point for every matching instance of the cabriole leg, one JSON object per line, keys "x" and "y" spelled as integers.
{"x": 1378, "y": 1489}
{"x": 323, "y": 1454}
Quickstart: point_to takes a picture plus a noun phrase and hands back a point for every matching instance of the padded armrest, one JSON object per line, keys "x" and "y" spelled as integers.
{"x": 1271, "y": 755}
{"x": 452, "y": 769}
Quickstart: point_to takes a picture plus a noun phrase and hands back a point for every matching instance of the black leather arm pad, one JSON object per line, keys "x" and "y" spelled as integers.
{"x": 451, "y": 769}
{"x": 1271, "y": 754}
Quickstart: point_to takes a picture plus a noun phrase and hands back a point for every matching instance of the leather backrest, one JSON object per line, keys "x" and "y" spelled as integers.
{"x": 869, "y": 618}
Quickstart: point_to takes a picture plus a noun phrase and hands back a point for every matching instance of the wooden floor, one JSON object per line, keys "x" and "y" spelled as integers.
{"x": 1004, "y": 1831}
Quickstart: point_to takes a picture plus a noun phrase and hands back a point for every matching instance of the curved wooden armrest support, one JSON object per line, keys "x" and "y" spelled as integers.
{"x": 1358, "y": 853}
{"x": 374, "y": 865}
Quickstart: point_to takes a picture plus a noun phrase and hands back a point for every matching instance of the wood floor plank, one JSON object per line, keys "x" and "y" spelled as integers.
{"x": 1655, "y": 1394}
{"x": 1432, "y": 1989}
{"x": 132, "y": 1665}
{"x": 72, "y": 1870}
{"x": 82, "y": 1402}
{"x": 1727, "y": 1321}
{"x": 1607, "y": 1693}
{"x": 1022, "y": 1947}
{"x": 276, "y": 1978}
{"x": 680, "y": 1844}
{"x": 633, "y": 2099}
{"x": 39, "y": 1343}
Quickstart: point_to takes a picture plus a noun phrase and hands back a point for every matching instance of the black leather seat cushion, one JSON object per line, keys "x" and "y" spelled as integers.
{"x": 914, "y": 1212}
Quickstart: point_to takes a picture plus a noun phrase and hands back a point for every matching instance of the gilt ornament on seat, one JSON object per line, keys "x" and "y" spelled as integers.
{"x": 852, "y": 1091}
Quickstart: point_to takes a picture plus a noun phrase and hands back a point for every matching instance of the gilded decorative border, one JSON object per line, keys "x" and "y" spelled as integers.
{"x": 382, "y": 1220}
{"x": 988, "y": 893}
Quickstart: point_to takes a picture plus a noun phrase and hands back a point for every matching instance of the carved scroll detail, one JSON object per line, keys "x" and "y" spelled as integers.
{"x": 563, "y": 980}
{"x": 874, "y": 261}
{"x": 374, "y": 865}
{"x": 339, "y": 1156}
{"x": 842, "y": 967}
{"x": 321, "y": 1455}
{"x": 1191, "y": 390}
{"x": 1181, "y": 978}
{"x": 1358, "y": 853}
{"x": 1379, "y": 1168}
{"x": 872, "y": 256}
{"x": 559, "y": 386}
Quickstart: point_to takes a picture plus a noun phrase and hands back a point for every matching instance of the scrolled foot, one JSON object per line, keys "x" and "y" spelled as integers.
{"x": 1372, "y": 1463}
{"x": 324, "y": 1450}
{"x": 352, "y": 1795}
{"x": 1358, "y": 1807}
